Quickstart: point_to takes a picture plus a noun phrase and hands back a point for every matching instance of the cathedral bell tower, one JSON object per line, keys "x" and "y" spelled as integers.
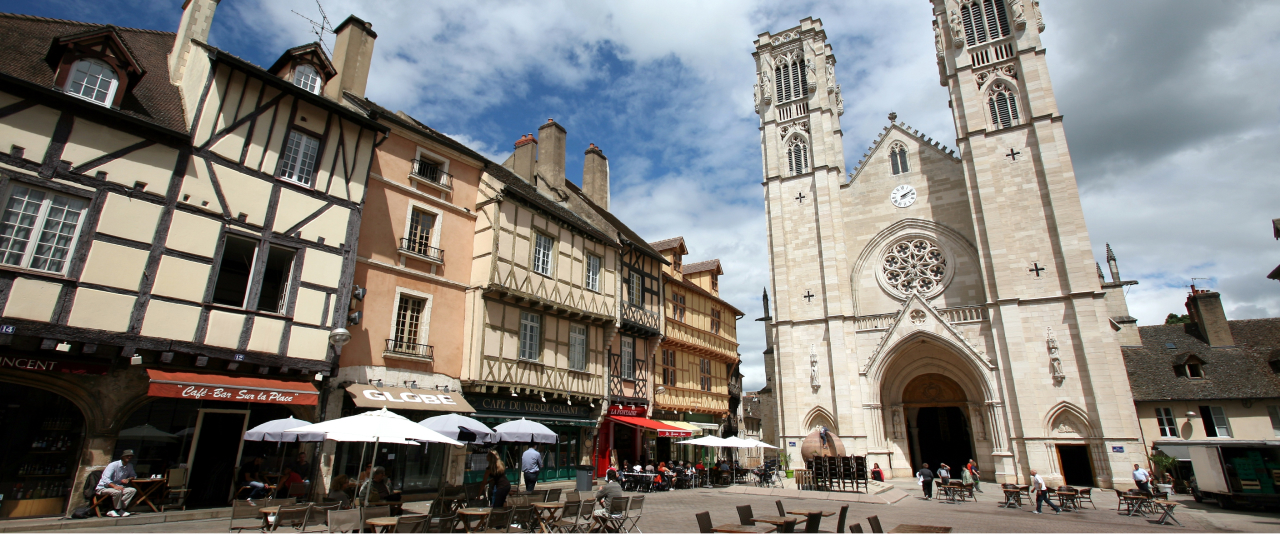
{"x": 799, "y": 103}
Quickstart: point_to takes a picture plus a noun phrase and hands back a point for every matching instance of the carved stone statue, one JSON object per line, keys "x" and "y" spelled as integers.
{"x": 957, "y": 35}
{"x": 831, "y": 77}
{"x": 766, "y": 87}
{"x": 839, "y": 102}
{"x": 897, "y": 423}
{"x": 1019, "y": 15}
{"x": 1055, "y": 362}
{"x": 813, "y": 76}
{"x": 937, "y": 37}
{"x": 1035, "y": 4}
{"x": 979, "y": 429}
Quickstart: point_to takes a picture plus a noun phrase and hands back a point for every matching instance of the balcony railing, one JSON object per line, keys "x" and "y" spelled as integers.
{"x": 419, "y": 246}
{"x": 430, "y": 171}
{"x": 410, "y": 350}
{"x": 640, "y": 316}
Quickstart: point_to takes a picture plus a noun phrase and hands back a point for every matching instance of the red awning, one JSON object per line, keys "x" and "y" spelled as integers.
{"x": 230, "y": 388}
{"x": 664, "y": 430}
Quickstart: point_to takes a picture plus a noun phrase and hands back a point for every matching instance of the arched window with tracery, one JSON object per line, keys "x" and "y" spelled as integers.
{"x": 93, "y": 80}
{"x": 898, "y": 157}
{"x": 797, "y": 156}
{"x": 984, "y": 20}
{"x": 1003, "y": 104}
{"x": 790, "y": 80}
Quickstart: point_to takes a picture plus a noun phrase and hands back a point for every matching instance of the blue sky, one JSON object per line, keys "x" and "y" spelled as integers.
{"x": 1169, "y": 106}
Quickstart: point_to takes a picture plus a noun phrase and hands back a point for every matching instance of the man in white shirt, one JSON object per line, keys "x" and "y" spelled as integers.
{"x": 530, "y": 465}
{"x": 114, "y": 478}
{"x": 1142, "y": 478}
{"x": 1042, "y": 493}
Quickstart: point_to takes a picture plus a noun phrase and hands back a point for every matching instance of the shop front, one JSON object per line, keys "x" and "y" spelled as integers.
{"x": 410, "y": 468}
{"x": 574, "y": 425}
{"x": 42, "y": 443}
{"x": 195, "y": 424}
{"x": 627, "y": 436}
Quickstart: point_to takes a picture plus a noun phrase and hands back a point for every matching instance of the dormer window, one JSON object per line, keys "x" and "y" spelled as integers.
{"x": 93, "y": 80}
{"x": 675, "y": 263}
{"x": 306, "y": 77}
{"x": 1191, "y": 368}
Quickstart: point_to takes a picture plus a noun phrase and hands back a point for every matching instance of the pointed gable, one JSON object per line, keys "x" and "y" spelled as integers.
{"x": 898, "y": 132}
{"x": 918, "y": 319}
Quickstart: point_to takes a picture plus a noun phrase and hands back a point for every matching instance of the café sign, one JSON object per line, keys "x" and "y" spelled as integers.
{"x": 519, "y": 407}
{"x": 630, "y": 411}
{"x": 366, "y": 396}
{"x": 50, "y": 365}
{"x": 200, "y": 386}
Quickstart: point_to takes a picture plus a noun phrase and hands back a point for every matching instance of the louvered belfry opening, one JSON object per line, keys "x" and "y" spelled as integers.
{"x": 797, "y": 157}
{"x": 984, "y": 21}
{"x": 1003, "y": 105}
{"x": 791, "y": 81}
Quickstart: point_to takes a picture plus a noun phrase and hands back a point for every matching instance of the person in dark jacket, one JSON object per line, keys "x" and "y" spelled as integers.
{"x": 496, "y": 476}
{"x": 926, "y": 481}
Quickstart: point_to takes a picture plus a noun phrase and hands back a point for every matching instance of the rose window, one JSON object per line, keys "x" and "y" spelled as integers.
{"x": 915, "y": 266}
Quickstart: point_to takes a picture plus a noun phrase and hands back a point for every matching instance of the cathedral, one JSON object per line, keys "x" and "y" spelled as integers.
{"x": 935, "y": 305}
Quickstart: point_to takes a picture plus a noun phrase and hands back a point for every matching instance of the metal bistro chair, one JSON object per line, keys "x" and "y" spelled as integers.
{"x": 319, "y": 515}
{"x": 634, "y": 510}
{"x": 812, "y": 522}
{"x": 243, "y": 511}
{"x": 586, "y": 515}
{"x": 745, "y": 516}
{"x": 788, "y": 525}
{"x": 298, "y": 491}
{"x": 617, "y": 516}
{"x": 874, "y": 521}
{"x": 844, "y": 514}
{"x": 447, "y": 522}
{"x": 525, "y": 517}
{"x": 500, "y": 520}
{"x": 704, "y": 522}
{"x": 290, "y": 516}
{"x": 568, "y": 521}
{"x": 411, "y": 523}
{"x": 371, "y": 512}
{"x": 176, "y": 497}
{"x": 344, "y": 521}
{"x": 1086, "y": 496}
{"x": 553, "y": 495}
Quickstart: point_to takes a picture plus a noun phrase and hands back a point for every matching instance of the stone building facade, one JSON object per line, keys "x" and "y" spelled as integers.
{"x": 935, "y": 305}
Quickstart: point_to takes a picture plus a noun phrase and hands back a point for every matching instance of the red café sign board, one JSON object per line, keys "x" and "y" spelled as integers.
{"x": 629, "y": 411}
{"x": 200, "y": 386}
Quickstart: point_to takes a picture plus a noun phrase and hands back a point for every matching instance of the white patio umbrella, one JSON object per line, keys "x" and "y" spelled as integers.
{"x": 450, "y": 425}
{"x": 274, "y": 431}
{"x": 737, "y": 442}
{"x": 758, "y": 443}
{"x": 705, "y": 441}
{"x": 524, "y": 430}
{"x": 146, "y": 433}
{"x": 377, "y": 426}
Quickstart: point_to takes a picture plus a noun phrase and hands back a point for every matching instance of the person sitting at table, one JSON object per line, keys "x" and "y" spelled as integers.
{"x": 877, "y": 474}
{"x": 626, "y": 466}
{"x": 114, "y": 478}
{"x": 337, "y": 491}
{"x": 610, "y": 491}
{"x": 364, "y": 475}
{"x": 251, "y": 477}
{"x": 376, "y": 490}
{"x": 287, "y": 478}
{"x": 300, "y": 465}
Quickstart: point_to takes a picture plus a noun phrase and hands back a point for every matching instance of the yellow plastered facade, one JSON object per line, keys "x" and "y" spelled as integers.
{"x": 170, "y": 321}
{"x": 181, "y": 279}
{"x": 101, "y": 310}
{"x": 129, "y": 218}
{"x": 32, "y": 299}
{"x": 114, "y": 265}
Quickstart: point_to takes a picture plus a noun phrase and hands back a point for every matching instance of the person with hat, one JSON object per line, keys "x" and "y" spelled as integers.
{"x": 114, "y": 478}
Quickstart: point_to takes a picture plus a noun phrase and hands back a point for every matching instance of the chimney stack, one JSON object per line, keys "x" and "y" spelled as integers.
{"x": 352, "y": 52}
{"x": 551, "y": 151}
{"x": 1205, "y": 309}
{"x": 525, "y": 157}
{"x": 1111, "y": 263}
{"x": 197, "y": 18}
{"x": 595, "y": 176}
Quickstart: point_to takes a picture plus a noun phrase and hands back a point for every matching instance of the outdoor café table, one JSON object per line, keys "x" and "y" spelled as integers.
{"x": 382, "y": 524}
{"x": 473, "y": 515}
{"x": 1012, "y": 497}
{"x": 1136, "y": 504}
{"x": 1025, "y": 491}
{"x": 775, "y": 520}
{"x": 147, "y": 486}
{"x": 1068, "y": 499}
{"x": 548, "y": 513}
{"x": 748, "y": 529}
{"x": 919, "y": 528}
{"x": 1167, "y": 508}
{"x": 267, "y": 512}
{"x": 806, "y": 512}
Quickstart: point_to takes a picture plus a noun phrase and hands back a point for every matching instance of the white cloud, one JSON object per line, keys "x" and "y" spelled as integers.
{"x": 1169, "y": 105}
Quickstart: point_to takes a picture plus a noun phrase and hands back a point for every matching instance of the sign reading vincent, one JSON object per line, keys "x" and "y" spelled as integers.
{"x": 366, "y": 396}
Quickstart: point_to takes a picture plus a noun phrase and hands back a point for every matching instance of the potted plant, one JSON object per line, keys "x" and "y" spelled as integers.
{"x": 785, "y": 459}
{"x": 1164, "y": 464}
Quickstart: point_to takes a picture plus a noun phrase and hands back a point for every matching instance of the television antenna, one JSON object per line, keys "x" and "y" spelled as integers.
{"x": 319, "y": 28}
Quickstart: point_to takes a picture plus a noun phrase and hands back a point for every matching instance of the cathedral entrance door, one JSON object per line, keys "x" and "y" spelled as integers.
{"x": 942, "y": 436}
{"x": 1076, "y": 468}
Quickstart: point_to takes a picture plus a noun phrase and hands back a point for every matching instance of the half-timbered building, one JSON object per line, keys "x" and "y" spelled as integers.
{"x": 176, "y": 248}
{"x": 699, "y": 351}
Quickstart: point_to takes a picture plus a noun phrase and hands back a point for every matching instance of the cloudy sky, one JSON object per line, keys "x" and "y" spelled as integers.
{"x": 1171, "y": 112}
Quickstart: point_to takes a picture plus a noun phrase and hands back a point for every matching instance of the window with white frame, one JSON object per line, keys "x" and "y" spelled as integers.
{"x": 234, "y": 281}
{"x": 578, "y": 347}
{"x": 530, "y": 336}
{"x": 628, "y": 359}
{"x": 1274, "y": 412}
{"x": 409, "y": 324}
{"x": 1168, "y": 426}
{"x": 542, "y": 248}
{"x": 418, "y": 235}
{"x": 1002, "y": 102}
{"x": 593, "y": 272}
{"x": 984, "y": 21}
{"x": 298, "y": 163}
{"x": 93, "y": 80}
{"x": 306, "y": 77}
{"x": 1215, "y": 422}
{"x": 39, "y": 228}
{"x": 635, "y": 289}
{"x": 797, "y": 156}
{"x": 898, "y": 158}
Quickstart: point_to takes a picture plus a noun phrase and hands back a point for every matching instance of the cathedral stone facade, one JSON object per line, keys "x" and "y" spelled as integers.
{"x": 935, "y": 305}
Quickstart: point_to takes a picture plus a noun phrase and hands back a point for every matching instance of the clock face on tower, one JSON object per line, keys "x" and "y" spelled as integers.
{"x": 903, "y": 196}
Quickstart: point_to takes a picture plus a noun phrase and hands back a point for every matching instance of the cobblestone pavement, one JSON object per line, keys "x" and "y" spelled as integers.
{"x": 674, "y": 512}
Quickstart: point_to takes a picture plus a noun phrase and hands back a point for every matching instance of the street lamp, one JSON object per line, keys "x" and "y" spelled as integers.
{"x": 339, "y": 337}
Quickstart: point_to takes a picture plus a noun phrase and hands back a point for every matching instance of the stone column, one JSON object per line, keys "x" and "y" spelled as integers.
{"x": 995, "y": 413}
{"x": 874, "y": 418}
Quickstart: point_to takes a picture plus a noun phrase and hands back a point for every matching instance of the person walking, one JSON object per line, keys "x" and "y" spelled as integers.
{"x": 114, "y": 478}
{"x": 926, "y": 481}
{"x": 499, "y": 486}
{"x": 530, "y": 465}
{"x": 944, "y": 474}
{"x": 1142, "y": 478}
{"x": 972, "y": 470}
{"x": 1042, "y": 493}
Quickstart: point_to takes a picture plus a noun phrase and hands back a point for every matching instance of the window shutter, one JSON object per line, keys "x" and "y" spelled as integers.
{"x": 968, "y": 26}
{"x": 1002, "y": 17}
{"x": 777, "y": 83}
{"x": 993, "y": 24}
{"x": 804, "y": 80}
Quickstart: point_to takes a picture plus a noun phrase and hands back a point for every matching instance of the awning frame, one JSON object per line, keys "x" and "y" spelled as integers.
{"x": 664, "y": 430}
